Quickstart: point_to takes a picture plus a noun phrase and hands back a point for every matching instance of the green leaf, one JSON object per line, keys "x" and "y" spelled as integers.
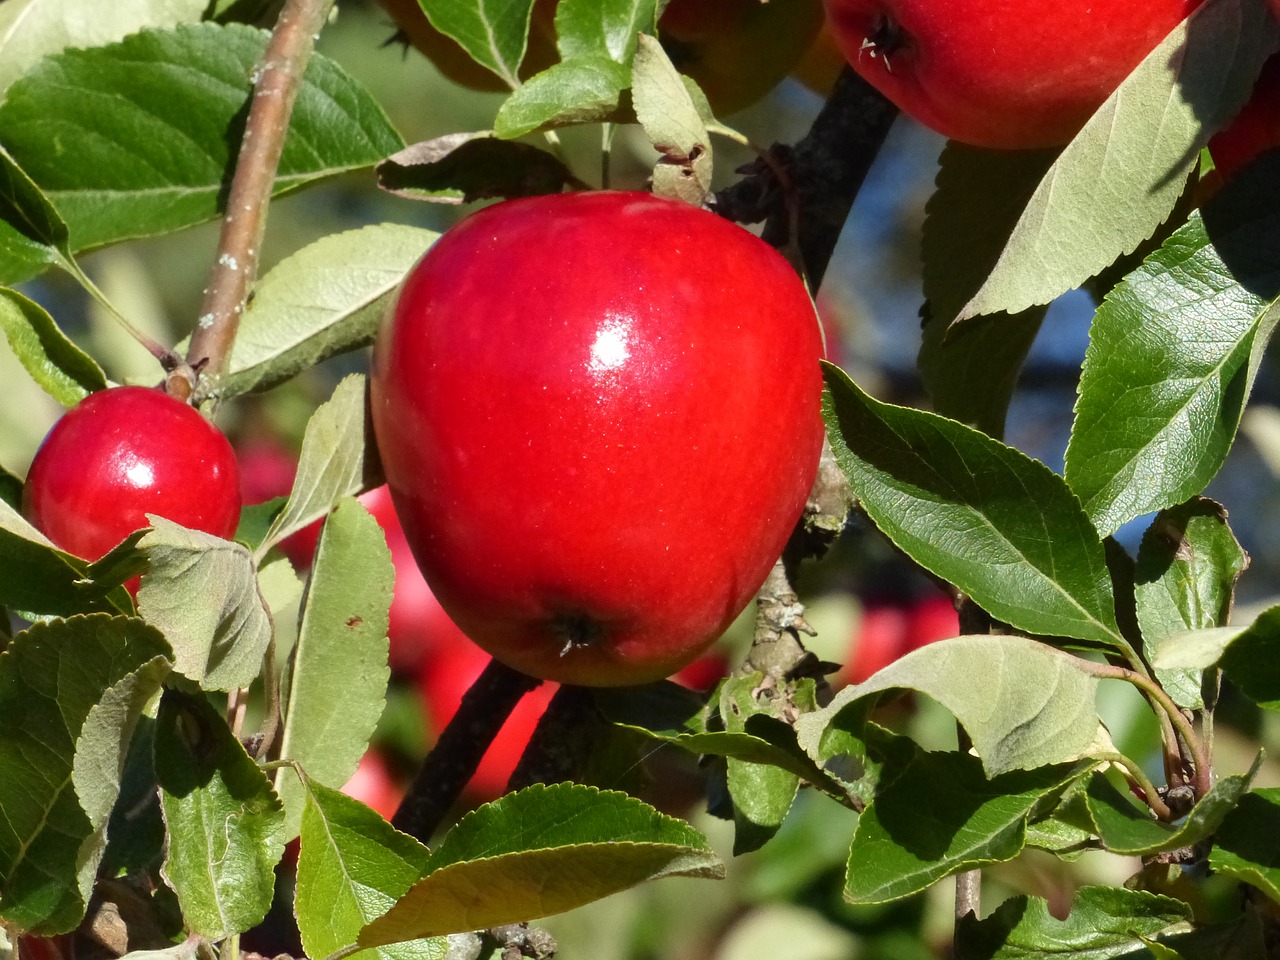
{"x": 332, "y": 462}
{"x": 225, "y": 823}
{"x": 465, "y": 167}
{"x": 1252, "y": 663}
{"x": 668, "y": 713}
{"x": 1188, "y": 565}
{"x": 1121, "y": 176}
{"x": 762, "y": 793}
{"x": 154, "y": 121}
{"x": 970, "y": 370}
{"x": 38, "y": 578}
{"x": 31, "y": 29}
{"x": 1125, "y": 827}
{"x": 326, "y": 299}
{"x": 1002, "y": 527}
{"x": 493, "y": 32}
{"x": 51, "y": 678}
{"x": 62, "y": 369}
{"x": 32, "y": 233}
{"x": 673, "y": 123}
{"x": 939, "y": 817}
{"x": 1023, "y": 703}
{"x": 339, "y": 677}
{"x": 1247, "y": 845}
{"x": 584, "y": 90}
{"x": 202, "y": 592}
{"x": 135, "y": 832}
{"x": 1104, "y": 922}
{"x": 1158, "y": 411}
{"x": 541, "y": 851}
{"x": 606, "y": 28}
{"x": 979, "y": 196}
{"x": 102, "y": 749}
{"x": 352, "y": 867}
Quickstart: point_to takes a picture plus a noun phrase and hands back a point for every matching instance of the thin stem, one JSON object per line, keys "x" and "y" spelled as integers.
{"x": 1136, "y": 774}
{"x": 344, "y": 952}
{"x": 1203, "y": 772}
{"x": 167, "y": 357}
{"x": 606, "y": 153}
{"x": 271, "y": 686}
{"x": 235, "y": 267}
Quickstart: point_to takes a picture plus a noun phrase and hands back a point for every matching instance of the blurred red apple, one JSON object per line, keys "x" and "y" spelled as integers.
{"x": 1255, "y": 129}
{"x": 881, "y": 638}
{"x": 374, "y": 786}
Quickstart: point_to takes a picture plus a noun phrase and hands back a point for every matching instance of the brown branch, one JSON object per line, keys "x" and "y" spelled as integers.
{"x": 562, "y": 742}
{"x": 827, "y": 168}
{"x": 278, "y": 77}
{"x": 456, "y": 755}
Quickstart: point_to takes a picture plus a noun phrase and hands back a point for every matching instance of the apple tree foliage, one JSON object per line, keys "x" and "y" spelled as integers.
{"x": 119, "y": 769}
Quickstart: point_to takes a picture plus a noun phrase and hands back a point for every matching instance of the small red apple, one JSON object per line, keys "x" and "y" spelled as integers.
{"x": 1255, "y": 129}
{"x": 121, "y": 454}
{"x": 1001, "y": 73}
{"x": 598, "y": 414}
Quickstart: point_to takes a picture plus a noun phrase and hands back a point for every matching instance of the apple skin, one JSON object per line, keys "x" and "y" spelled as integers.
{"x": 599, "y": 417}
{"x": 1255, "y": 129}
{"x": 120, "y": 454}
{"x": 1001, "y": 73}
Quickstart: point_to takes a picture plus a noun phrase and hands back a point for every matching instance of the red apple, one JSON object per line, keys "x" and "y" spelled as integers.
{"x": 598, "y": 414}
{"x": 1255, "y": 129}
{"x": 1001, "y": 73}
{"x": 931, "y": 619}
{"x": 704, "y": 673}
{"x": 881, "y": 638}
{"x": 374, "y": 786}
{"x": 121, "y": 454}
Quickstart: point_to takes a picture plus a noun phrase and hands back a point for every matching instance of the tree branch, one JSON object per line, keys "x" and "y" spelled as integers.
{"x": 277, "y": 79}
{"x": 827, "y": 168}
{"x": 452, "y": 762}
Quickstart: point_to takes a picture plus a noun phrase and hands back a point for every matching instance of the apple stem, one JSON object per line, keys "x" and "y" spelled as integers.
{"x": 458, "y": 751}
{"x": 235, "y": 266}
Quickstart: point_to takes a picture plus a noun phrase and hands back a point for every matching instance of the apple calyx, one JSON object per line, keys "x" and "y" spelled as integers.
{"x": 885, "y": 39}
